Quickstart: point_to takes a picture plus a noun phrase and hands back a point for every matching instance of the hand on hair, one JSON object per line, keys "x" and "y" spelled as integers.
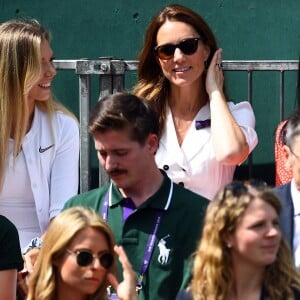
{"x": 214, "y": 77}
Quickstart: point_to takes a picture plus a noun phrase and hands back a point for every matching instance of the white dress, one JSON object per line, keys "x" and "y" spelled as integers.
{"x": 194, "y": 164}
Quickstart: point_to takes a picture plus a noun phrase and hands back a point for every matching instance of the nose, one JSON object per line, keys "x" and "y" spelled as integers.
{"x": 96, "y": 263}
{"x": 110, "y": 163}
{"x": 273, "y": 231}
{"x": 50, "y": 70}
{"x": 178, "y": 54}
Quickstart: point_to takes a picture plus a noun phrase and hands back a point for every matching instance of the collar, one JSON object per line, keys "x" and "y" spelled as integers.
{"x": 295, "y": 197}
{"x": 160, "y": 200}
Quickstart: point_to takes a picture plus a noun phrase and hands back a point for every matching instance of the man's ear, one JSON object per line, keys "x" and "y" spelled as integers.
{"x": 152, "y": 142}
{"x": 287, "y": 156}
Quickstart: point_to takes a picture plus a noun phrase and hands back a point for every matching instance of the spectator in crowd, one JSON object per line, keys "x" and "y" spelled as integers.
{"x": 39, "y": 138}
{"x": 203, "y": 135}
{"x": 289, "y": 193}
{"x": 77, "y": 261}
{"x": 283, "y": 174}
{"x": 156, "y": 221}
{"x": 242, "y": 254}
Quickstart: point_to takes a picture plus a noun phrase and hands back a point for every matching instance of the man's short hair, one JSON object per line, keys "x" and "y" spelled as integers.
{"x": 124, "y": 111}
{"x": 292, "y": 128}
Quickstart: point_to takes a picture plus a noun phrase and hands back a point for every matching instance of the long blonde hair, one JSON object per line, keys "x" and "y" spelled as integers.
{"x": 212, "y": 271}
{"x": 20, "y": 69}
{"x": 61, "y": 231}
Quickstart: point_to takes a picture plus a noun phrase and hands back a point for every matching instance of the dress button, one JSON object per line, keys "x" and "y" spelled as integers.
{"x": 181, "y": 183}
{"x": 166, "y": 167}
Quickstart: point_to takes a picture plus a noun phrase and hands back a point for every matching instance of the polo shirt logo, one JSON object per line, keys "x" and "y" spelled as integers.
{"x": 163, "y": 251}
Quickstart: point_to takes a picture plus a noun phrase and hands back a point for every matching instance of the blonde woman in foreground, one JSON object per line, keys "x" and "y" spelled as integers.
{"x": 77, "y": 260}
{"x": 241, "y": 254}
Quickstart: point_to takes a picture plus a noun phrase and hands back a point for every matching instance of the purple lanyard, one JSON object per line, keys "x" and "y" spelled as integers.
{"x": 152, "y": 235}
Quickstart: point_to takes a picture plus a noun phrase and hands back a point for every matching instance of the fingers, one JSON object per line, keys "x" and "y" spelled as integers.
{"x": 30, "y": 259}
{"x": 214, "y": 77}
{"x": 21, "y": 283}
{"x": 113, "y": 281}
{"x": 126, "y": 290}
{"x": 123, "y": 258}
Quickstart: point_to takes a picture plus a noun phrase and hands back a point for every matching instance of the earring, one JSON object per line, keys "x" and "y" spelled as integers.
{"x": 228, "y": 245}
{"x": 205, "y": 65}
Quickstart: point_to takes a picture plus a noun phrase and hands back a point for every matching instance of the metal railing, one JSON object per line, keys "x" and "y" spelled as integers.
{"x": 111, "y": 74}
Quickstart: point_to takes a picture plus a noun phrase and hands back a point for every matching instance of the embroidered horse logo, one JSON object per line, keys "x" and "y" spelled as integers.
{"x": 163, "y": 251}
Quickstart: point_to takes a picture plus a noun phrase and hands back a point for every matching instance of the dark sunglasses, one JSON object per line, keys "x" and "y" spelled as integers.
{"x": 85, "y": 258}
{"x": 238, "y": 188}
{"x": 187, "y": 47}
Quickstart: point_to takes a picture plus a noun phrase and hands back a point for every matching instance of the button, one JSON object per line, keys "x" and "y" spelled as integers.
{"x": 181, "y": 183}
{"x": 166, "y": 167}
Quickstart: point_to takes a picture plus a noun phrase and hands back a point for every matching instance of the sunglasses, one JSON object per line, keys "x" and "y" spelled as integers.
{"x": 238, "y": 188}
{"x": 186, "y": 46}
{"x": 85, "y": 258}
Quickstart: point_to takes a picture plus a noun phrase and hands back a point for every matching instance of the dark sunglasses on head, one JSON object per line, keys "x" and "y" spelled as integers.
{"x": 187, "y": 46}
{"x": 238, "y": 188}
{"x": 85, "y": 258}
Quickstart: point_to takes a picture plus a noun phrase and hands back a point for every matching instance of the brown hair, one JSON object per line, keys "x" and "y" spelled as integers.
{"x": 152, "y": 85}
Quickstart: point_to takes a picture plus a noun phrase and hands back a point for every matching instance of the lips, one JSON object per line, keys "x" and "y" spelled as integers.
{"x": 270, "y": 248}
{"x": 178, "y": 70}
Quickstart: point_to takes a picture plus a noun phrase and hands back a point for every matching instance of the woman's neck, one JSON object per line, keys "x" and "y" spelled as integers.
{"x": 248, "y": 283}
{"x": 64, "y": 292}
{"x": 187, "y": 101}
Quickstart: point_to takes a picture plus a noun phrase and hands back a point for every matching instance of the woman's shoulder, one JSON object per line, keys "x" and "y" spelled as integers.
{"x": 7, "y": 227}
{"x": 240, "y": 106}
{"x": 65, "y": 123}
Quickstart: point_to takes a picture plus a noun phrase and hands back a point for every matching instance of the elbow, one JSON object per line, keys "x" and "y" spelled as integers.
{"x": 235, "y": 156}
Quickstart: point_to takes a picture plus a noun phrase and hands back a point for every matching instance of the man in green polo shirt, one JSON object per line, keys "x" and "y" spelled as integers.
{"x": 157, "y": 222}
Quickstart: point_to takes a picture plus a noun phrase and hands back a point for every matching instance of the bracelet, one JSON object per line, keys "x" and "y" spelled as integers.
{"x": 34, "y": 243}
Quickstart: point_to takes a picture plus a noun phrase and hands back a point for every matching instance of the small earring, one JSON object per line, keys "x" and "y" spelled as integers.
{"x": 205, "y": 65}
{"x": 228, "y": 245}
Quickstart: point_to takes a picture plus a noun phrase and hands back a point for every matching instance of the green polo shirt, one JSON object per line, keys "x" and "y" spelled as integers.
{"x": 177, "y": 235}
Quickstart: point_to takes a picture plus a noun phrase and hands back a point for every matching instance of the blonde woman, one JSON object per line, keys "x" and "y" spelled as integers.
{"x": 77, "y": 261}
{"x": 241, "y": 254}
{"x": 39, "y": 139}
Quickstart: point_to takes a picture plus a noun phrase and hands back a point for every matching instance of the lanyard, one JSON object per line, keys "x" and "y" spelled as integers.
{"x": 152, "y": 236}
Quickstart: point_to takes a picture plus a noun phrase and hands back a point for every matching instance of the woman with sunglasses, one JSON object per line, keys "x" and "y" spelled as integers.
{"x": 77, "y": 260}
{"x": 202, "y": 135}
{"x": 242, "y": 254}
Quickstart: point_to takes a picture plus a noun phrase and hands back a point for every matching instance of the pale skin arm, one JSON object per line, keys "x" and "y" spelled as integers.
{"x": 8, "y": 284}
{"x": 126, "y": 290}
{"x": 229, "y": 142}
